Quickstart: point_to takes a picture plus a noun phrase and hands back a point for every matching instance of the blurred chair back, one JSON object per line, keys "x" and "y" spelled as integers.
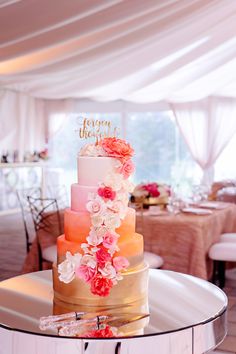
{"x": 42, "y": 210}
{"x": 60, "y": 193}
{"x": 29, "y": 229}
{"x": 48, "y": 226}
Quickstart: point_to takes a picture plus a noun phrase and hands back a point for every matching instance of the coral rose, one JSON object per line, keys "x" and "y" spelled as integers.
{"x": 107, "y": 193}
{"x": 117, "y": 148}
{"x": 101, "y": 286}
{"x": 109, "y": 240}
{"x": 127, "y": 168}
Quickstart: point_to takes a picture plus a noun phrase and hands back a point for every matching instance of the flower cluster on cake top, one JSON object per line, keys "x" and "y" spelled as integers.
{"x": 99, "y": 266}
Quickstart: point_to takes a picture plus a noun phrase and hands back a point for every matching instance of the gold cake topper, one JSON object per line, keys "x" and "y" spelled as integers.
{"x": 96, "y": 128}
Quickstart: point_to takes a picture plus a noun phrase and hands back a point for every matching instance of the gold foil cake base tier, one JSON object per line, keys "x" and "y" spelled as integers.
{"x": 128, "y": 296}
{"x": 133, "y": 287}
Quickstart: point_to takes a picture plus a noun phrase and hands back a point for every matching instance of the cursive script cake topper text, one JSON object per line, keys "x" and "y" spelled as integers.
{"x": 96, "y": 128}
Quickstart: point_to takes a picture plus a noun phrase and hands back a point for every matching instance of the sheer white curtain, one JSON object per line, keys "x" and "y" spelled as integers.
{"x": 207, "y": 126}
{"x": 57, "y": 112}
{"x": 23, "y": 123}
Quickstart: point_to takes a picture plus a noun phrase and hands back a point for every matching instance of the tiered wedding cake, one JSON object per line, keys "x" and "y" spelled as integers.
{"x": 100, "y": 257}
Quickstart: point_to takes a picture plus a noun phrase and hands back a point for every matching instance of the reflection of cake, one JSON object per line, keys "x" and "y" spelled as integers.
{"x": 100, "y": 257}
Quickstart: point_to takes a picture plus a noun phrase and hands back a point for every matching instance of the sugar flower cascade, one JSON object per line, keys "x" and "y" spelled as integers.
{"x": 99, "y": 266}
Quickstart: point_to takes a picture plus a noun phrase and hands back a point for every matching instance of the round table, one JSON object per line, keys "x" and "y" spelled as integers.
{"x": 187, "y": 315}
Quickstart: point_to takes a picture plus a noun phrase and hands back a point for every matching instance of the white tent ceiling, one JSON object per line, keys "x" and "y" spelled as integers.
{"x": 134, "y": 50}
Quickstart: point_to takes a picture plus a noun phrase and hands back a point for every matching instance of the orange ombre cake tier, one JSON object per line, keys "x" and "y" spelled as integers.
{"x": 131, "y": 248}
{"x": 77, "y": 225}
{"x": 100, "y": 256}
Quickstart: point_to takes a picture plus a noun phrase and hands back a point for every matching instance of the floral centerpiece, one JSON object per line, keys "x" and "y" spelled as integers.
{"x": 151, "y": 193}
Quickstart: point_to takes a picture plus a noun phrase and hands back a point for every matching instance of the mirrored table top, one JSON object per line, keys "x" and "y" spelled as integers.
{"x": 176, "y": 302}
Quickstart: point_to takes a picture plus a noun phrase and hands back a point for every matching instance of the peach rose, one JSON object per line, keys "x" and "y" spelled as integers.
{"x": 109, "y": 240}
{"x": 118, "y": 148}
{"x": 127, "y": 168}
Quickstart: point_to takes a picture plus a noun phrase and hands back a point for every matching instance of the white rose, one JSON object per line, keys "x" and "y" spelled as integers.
{"x": 112, "y": 221}
{"x": 89, "y": 261}
{"x": 108, "y": 271}
{"x": 94, "y": 238}
{"x": 66, "y": 269}
{"x": 97, "y": 220}
{"x": 92, "y": 150}
{"x": 114, "y": 180}
{"x": 128, "y": 186}
{"x": 118, "y": 207}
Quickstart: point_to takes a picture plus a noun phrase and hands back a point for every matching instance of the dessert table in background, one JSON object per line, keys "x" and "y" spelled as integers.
{"x": 183, "y": 240}
{"x": 187, "y": 316}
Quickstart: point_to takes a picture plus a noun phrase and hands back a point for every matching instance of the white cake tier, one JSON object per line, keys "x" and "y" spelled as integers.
{"x": 93, "y": 170}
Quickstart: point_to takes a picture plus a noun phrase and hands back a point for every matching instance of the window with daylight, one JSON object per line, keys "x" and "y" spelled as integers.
{"x": 224, "y": 166}
{"x": 160, "y": 152}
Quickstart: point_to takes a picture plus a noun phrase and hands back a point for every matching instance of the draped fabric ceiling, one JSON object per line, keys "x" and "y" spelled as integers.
{"x": 151, "y": 51}
{"x": 133, "y": 50}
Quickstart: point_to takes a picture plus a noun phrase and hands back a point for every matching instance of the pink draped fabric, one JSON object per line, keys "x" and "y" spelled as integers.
{"x": 139, "y": 51}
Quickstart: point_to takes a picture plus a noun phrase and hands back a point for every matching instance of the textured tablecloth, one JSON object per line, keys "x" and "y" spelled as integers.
{"x": 183, "y": 240}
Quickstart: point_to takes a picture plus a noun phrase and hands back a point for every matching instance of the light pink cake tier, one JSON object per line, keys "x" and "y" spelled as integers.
{"x": 79, "y": 196}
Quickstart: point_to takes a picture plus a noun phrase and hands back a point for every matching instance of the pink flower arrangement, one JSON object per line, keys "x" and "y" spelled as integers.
{"x": 118, "y": 148}
{"x": 154, "y": 190}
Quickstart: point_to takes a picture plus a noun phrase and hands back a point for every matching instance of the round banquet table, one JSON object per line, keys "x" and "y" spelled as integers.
{"x": 187, "y": 316}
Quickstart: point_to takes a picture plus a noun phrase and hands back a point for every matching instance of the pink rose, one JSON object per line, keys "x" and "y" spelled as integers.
{"x": 86, "y": 273}
{"x": 102, "y": 257}
{"x": 107, "y": 193}
{"x": 101, "y": 286}
{"x": 120, "y": 263}
{"x": 127, "y": 168}
{"x": 117, "y": 148}
{"x": 109, "y": 240}
{"x": 96, "y": 206}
